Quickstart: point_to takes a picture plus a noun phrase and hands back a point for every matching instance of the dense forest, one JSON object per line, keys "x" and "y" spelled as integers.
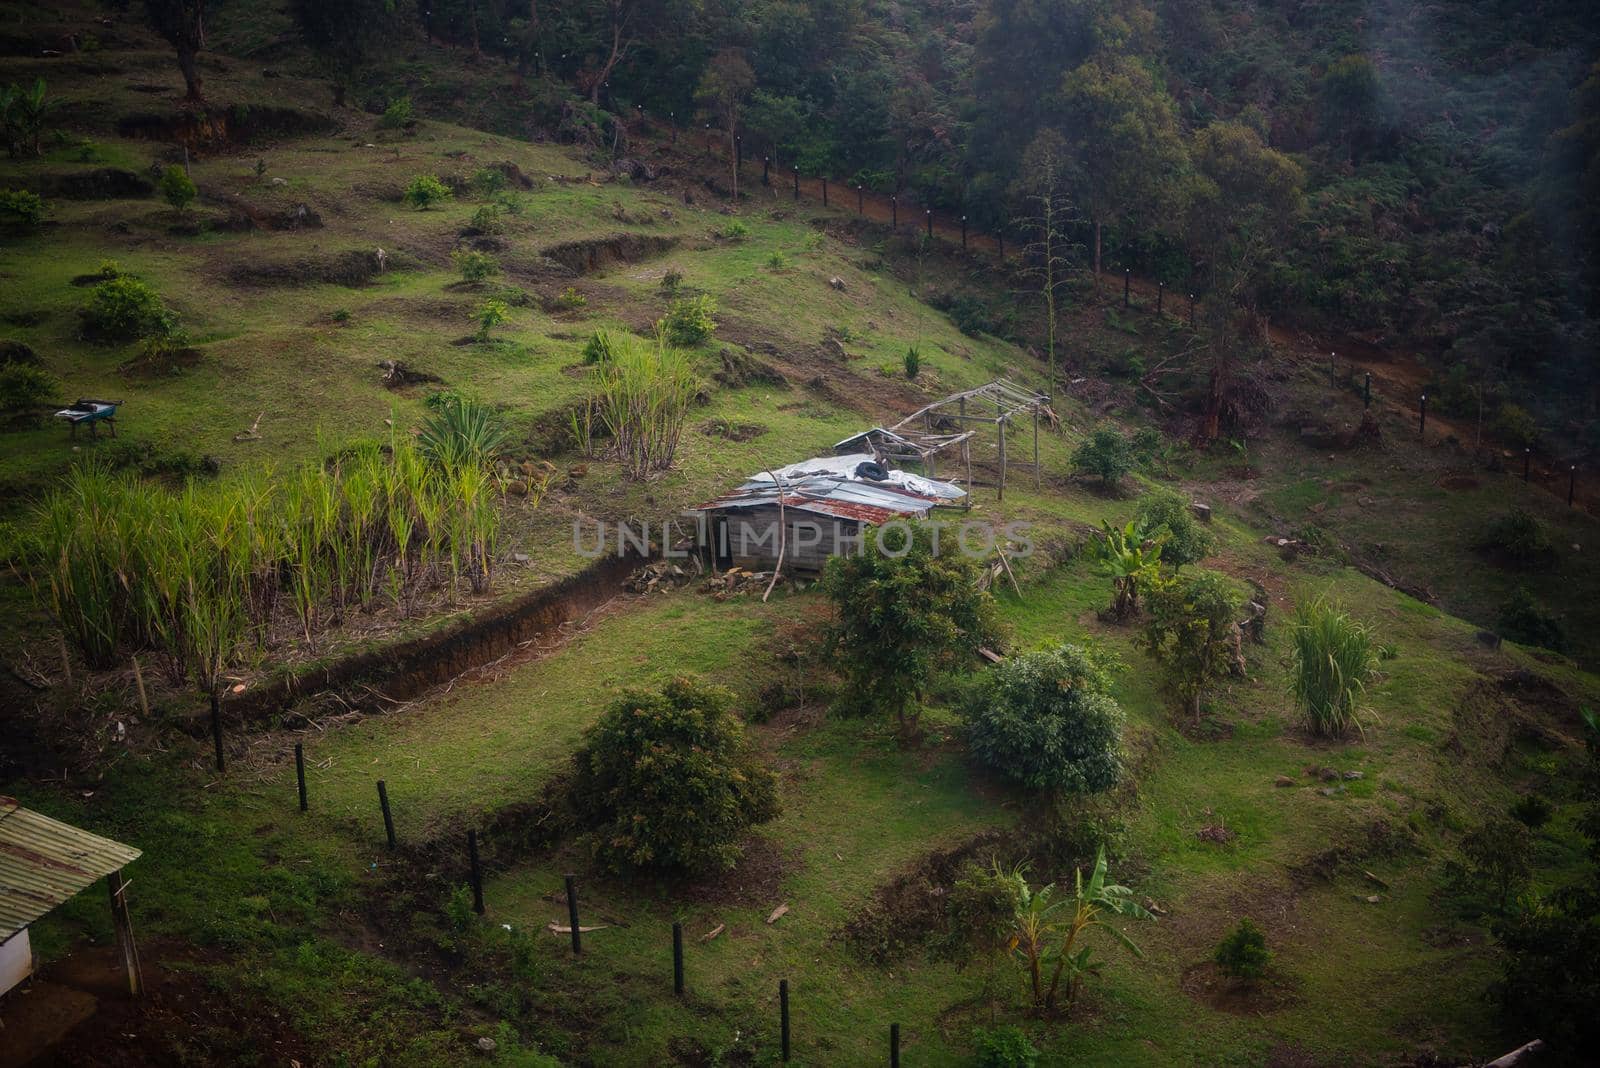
{"x": 1412, "y": 174}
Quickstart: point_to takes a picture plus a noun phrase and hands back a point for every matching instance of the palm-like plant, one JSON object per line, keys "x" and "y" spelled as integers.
{"x": 1050, "y": 933}
{"x": 1129, "y": 560}
{"x": 1334, "y": 659}
{"x": 463, "y": 433}
{"x": 23, "y": 110}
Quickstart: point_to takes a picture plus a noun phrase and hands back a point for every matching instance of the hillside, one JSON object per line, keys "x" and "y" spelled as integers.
{"x": 319, "y": 315}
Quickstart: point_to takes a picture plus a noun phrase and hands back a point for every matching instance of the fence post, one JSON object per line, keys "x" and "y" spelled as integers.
{"x": 738, "y": 151}
{"x": 797, "y": 183}
{"x": 1527, "y": 455}
{"x": 766, "y": 170}
{"x": 477, "y": 872}
{"x": 708, "y": 140}
{"x": 1001, "y": 237}
{"x": 216, "y": 730}
{"x": 388, "y": 820}
{"x": 783, "y": 1015}
{"x": 572, "y": 913}
{"x": 929, "y": 213}
{"x": 963, "y": 233}
{"x": 894, "y": 212}
{"x": 894, "y": 1045}
{"x": 1191, "y": 311}
{"x": 1572, "y": 484}
{"x": 300, "y": 772}
{"x": 677, "y": 959}
{"x": 1161, "y": 291}
{"x": 824, "y": 191}
{"x": 1127, "y": 281}
{"x": 1422, "y": 417}
{"x": 1366, "y": 391}
{"x": 672, "y": 118}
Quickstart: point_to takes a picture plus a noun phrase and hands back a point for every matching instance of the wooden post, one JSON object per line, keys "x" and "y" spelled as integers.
{"x": 1127, "y": 281}
{"x": 572, "y": 914}
{"x": 797, "y": 183}
{"x": 300, "y": 772}
{"x": 1001, "y": 423}
{"x": 824, "y": 191}
{"x": 963, "y": 233}
{"x": 138, "y": 681}
{"x": 388, "y": 819}
{"x": 894, "y": 212}
{"x": 1422, "y": 418}
{"x": 1572, "y": 484}
{"x": 894, "y": 1045}
{"x": 1527, "y": 455}
{"x": 1366, "y": 391}
{"x": 929, "y": 213}
{"x": 66, "y": 661}
{"x": 672, "y": 117}
{"x": 124, "y": 927}
{"x": 677, "y": 959}
{"x": 477, "y": 872}
{"x": 216, "y": 730}
{"x": 1161, "y": 291}
{"x": 783, "y": 1016}
{"x": 859, "y": 201}
{"x": 766, "y": 170}
{"x": 1036, "y": 448}
{"x": 1191, "y": 311}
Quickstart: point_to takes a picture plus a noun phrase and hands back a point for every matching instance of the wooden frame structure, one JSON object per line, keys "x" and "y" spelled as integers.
{"x": 922, "y": 434}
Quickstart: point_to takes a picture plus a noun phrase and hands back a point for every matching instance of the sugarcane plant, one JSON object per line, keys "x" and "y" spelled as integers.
{"x": 1335, "y": 657}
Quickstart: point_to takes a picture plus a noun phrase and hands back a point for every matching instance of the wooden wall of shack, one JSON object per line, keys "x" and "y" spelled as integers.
{"x": 752, "y": 538}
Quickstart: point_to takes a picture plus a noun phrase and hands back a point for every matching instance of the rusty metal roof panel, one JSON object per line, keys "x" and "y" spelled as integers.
{"x": 43, "y": 862}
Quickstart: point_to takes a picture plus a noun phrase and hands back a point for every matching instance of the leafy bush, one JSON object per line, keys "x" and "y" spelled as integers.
{"x": 571, "y": 299}
{"x": 1523, "y": 619}
{"x": 1129, "y": 561}
{"x": 689, "y": 320}
{"x": 488, "y": 181}
{"x": 398, "y": 113}
{"x": 24, "y": 387}
{"x": 487, "y": 220}
{"x": 778, "y": 261}
{"x": 1194, "y": 631}
{"x": 1106, "y": 454}
{"x": 1164, "y": 515}
{"x": 177, "y": 188}
{"x": 23, "y": 111}
{"x": 425, "y": 191}
{"x": 972, "y": 316}
{"x": 599, "y": 348}
{"x": 735, "y": 231}
{"x": 1516, "y": 424}
{"x": 475, "y": 266}
{"x": 913, "y": 362}
{"x": 664, "y": 780}
{"x": 1531, "y": 811}
{"x": 903, "y": 612}
{"x": 1046, "y": 720}
{"x": 1496, "y": 861}
{"x": 672, "y": 281}
{"x": 491, "y": 313}
{"x": 124, "y": 308}
{"x": 1243, "y": 954}
{"x": 20, "y": 209}
{"x": 1335, "y": 657}
{"x": 1519, "y": 539}
{"x": 1003, "y": 1047}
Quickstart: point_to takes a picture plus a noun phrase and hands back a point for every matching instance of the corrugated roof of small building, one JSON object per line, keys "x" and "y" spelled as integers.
{"x": 44, "y": 862}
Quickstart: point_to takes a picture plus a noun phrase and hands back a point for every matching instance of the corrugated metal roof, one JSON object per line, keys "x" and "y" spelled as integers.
{"x": 830, "y": 495}
{"x": 43, "y": 862}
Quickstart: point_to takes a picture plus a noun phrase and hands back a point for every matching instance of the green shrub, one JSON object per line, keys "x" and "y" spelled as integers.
{"x": 1519, "y": 539}
{"x": 460, "y": 433}
{"x": 1531, "y": 811}
{"x": 778, "y": 261}
{"x": 1194, "y": 631}
{"x": 1046, "y": 720}
{"x": 23, "y": 111}
{"x": 905, "y": 610}
{"x": 1165, "y": 515}
{"x": 665, "y": 781}
{"x": 735, "y": 231}
{"x": 1243, "y": 954}
{"x": 672, "y": 281}
{"x": 1516, "y": 424}
{"x": 425, "y": 191}
{"x": 108, "y": 269}
{"x": 488, "y": 181}
{"x": 1523, "y": 619}
{"x": 571, "y": 300}
{"x": 24, "y": 388}
{"x": 487, "y": 220}
{"x": 1496, "y": 861}
{"x": 1003, "y": 1047}
{"x": 398, "y": 114}
{"x": 490, "y": 314}
{"x": 20, "y": 209}
{"x": 1334, "y": 657}
{"x": 1106, "y": 454}
{"x": 913, "y": 362}
{"x": 176, "y": 188}
{"x": 124, "y": 308}
{"x": 458, "y": 909}
{"x": 599, "y": 348}
{"x": 689, "y": 320}
{"x": 475, "y": 266}
{"x": 972, "y": 316}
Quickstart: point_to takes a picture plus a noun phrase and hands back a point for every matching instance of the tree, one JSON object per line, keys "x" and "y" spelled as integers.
{"x": 425, "y": 191}
{"x": 491, "y": 313}
{"x": 1350, "y": 99}
{"x": 177, "y": 188}
{"x": 1106, "y": 454}
{"x": 1045, "y": 720}
{"x": 183, "y": 24}
{"x": 1125, "y": 140}
{"x": 1049, "y": 213}
{"x": 1499, "y": 858}
{"x": 1050, "y": 933}
{"x": 726, "y": 82}
{"x": 906, "y": 606}
{"x": 1243, "y": 954}
{"x": 1130, "y": 562}
{"x": 1193, "y": 630}
{"x": 1164, "y": 516}
{"x": 23, "y": 111}
{"x": 665, "y": 781}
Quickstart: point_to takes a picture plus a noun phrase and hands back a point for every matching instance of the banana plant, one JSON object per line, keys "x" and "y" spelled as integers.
{"x": 1130, "y": 561}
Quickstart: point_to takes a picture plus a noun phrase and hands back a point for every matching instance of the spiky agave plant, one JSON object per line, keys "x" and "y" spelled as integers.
{"x": 463, "y": 433}
{"x": 1334, "y": 659}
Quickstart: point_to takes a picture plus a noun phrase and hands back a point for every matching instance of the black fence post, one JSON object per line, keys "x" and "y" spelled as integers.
{"x": 677, "y": 959}
{"x": 1572, "y": 484}
{"x": 708, "y": 140}
{"x": 300, "y": 772}
{"x": 1127, "y": 282}
{"x": 1422, "y": 417}
{"x": 1527, "y": 456}
{"x": 783, "y": 1016}
{"x": 672, "y": 118}
{"x": 859, "y": 200}
{"x": 1191, "y": 311}
{"x": 894, "y": 212}
{"x": 963, "y": 233}
{"x": 1366, "y": 391}
{"x": 216, "y": 731}
{"x": 738, "y": 151}
{"x": 824, "y": 191}
{"x": 797, "y": 183}
{"x": 477, "y": 872}
{"x": 388, "y": 819}
{"x": 572, "y": 913}
{"x": 894, "y": 1045}
{"x": 1161, "y": 291}
{"x": 1001, "y": 237}
{"x": 766, "y": 170}
{"x": 929, "y": 213}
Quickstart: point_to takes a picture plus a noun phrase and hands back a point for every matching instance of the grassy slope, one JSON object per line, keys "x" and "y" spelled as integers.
{"x": 1372, "y": 979}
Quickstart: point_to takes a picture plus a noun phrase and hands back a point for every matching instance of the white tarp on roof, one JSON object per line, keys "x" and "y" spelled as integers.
{"x": 844, "y": 467}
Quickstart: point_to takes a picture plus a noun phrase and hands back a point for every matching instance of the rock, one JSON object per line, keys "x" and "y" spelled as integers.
{"x": 517, "y": 488}
{"x": 837, "y": 283}
{"x": 1283, "y": 780}
{"x": 1202, "y": 511}
{"x": 1331, "y": 791}
{"x": 578, "y": 471}
{"x": 487, "y": 1044}
{"x": 1489, "y": 638}
{"x": 1373, "y": 899}
{"x": 521, "y": 558}
{"x": 1327, "y": 774}
{"x": 1351, "y": 776}
{"x": 836, "y": 347}
{"x": 280, "y": 181}
{"x": 527, "y": 468}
